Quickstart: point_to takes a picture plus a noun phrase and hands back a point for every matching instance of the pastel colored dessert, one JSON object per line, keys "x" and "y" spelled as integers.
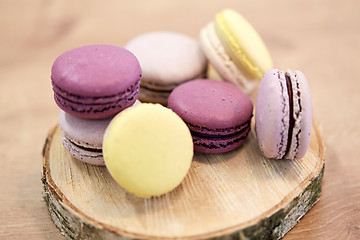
{"x": 235, "y": 50}
{"x": 95, "y": 81}
{"x": 217, "y": 113}
{"x": 283, "y": 114}
{"x": 83, "y": 138}
{"x": 148, "y": 150}
{"x": 167, "y": 59}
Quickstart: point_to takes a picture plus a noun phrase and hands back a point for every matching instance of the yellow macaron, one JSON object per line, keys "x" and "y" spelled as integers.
{"x": 235, "y": 49}
{"x": 148, "y": 150}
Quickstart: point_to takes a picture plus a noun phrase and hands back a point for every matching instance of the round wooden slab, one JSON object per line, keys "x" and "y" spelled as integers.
{"x": 236, "y": 195}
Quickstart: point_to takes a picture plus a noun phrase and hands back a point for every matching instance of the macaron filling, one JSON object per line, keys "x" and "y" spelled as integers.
{"x": 85, "y": 153}
{"x": 291, "y": 110}
{"x": 218, "y": 139}
{"x": 292, "y": 86}
{"x": 84, "y": 104}
{"x": 85, "y": 146}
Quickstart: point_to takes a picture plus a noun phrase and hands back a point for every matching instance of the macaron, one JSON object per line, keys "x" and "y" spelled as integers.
{"x": 235, "y": 50}
{"x": 83, "y": 138}
{"x": 283, "y": 114}
{"x": 217, "y": 113}
{"x": 167, "y": 59}
{"x": 148, "y": 150}
{"x": 95, "y": 81}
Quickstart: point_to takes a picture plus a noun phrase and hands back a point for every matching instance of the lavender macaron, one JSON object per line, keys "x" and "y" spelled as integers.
{"x": 217, "y": 113}
{"x": 83, "y": 138}
{"x": 283, "y": 114}
{"x": 95, "y": 81}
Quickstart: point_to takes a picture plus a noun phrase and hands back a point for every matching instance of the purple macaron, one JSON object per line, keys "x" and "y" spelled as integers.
{"x": 83, "y": 138}
{"x": 283, "y": 114}
{"x": 95, "y": 81}
{"x": 217, "y": 113}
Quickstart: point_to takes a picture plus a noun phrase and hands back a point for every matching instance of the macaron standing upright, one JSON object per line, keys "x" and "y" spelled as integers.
{"x": 235, "y": 50}
{"x": 283, "y": 114}
{"x": 217, "y": 113}
{"x": 167, "y": 59}
{"x": 95, "y": 81}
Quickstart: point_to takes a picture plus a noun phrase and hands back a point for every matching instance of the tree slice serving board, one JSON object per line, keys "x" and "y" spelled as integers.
{"x": 236, "y": 195}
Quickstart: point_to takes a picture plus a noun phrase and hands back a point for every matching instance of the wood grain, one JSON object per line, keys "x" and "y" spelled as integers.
{"x": 240, "y": 194}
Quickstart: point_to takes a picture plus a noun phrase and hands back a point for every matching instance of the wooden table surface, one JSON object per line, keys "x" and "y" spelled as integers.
{"x": 320, "y": 38}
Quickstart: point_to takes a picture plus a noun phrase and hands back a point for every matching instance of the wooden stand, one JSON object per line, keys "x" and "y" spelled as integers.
{"x": 236, "y": 195}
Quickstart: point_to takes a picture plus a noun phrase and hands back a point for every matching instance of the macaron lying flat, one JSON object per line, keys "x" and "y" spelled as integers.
{"x": 83, "y": 137}
{"x": 283, "y": 114}
{"x": 95, "y": 81}
{"x": 167, "y": 59}
{"x": 235, "y": 50}
{"x": 217, "y": 113}
{"x": 148, "y": 150}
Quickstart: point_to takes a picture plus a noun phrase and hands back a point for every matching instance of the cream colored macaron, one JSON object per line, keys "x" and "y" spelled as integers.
{"x": 235, "y": 50}
{"x": 148, "y": 150}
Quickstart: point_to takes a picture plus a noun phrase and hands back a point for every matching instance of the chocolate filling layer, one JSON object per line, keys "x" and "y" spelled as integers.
{"x": 291, "y": 107}
{"x": 95, "y": 150}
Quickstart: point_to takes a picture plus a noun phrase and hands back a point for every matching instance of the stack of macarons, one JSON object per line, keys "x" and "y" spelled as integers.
{"x": 92, "y": 84}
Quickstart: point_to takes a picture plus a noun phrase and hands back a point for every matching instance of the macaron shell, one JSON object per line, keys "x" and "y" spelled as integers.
{"x": 302, "y": 114}
{"x": 95, "y": 70}
{"x": 217, "y": 105}
{"x": 221, "y": 61}
{"x": 162, "y": 54}
{"x": 243, "y": 44}
{"x": 85, "y": 130}
{"x": 272, "y": 114}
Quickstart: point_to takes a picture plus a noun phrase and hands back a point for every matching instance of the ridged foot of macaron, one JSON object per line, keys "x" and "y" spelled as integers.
{"x": 84, "y": 152}
{"x": 217, "y": 113}
{"x": 83, "y": 137}
{"x": 217, "y": 144}
{"x": 283, "y": 114}
{"x": 95, "y": 81}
